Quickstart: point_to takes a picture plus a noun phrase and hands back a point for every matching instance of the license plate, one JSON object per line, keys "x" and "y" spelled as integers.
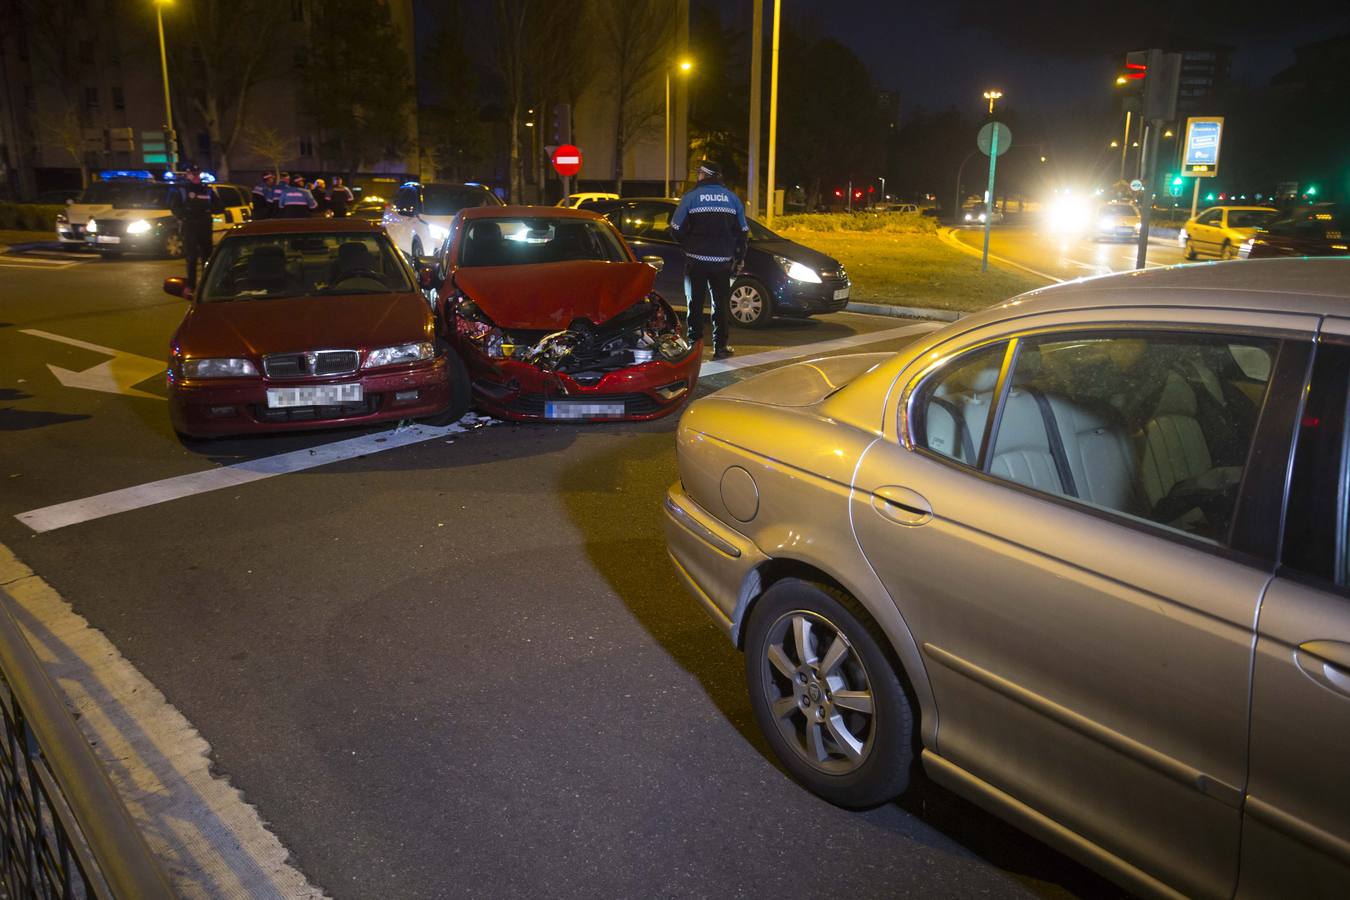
{"x": 108, "y": 239}
{"x": 317, "y": 395}
{"x": 841, "y": 294}
{"x": 582, "y": 409}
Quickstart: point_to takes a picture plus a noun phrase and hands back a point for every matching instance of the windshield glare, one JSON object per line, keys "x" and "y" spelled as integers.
{"x": 515, "y": 242}
{"x": 266, "y": 267}
{"x": 445, "y": 200}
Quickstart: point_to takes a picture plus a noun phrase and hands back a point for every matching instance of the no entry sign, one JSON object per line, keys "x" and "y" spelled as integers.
{"x": 567, "y": 160}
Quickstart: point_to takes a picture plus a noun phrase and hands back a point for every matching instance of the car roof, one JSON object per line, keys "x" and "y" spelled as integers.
{"x": 307, "y": 226}
{"x": 1310, "y": 285}
{"x": 509, "y": 212}
{"x": 1258, "y": 207}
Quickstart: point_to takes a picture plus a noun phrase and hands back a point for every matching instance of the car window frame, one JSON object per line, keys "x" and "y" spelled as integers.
{"x": 1254, "y": 533}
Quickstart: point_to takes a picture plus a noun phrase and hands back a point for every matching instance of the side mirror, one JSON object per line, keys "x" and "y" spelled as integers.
{"x": 655, "y": 262}
{"x": 174, "y": 286}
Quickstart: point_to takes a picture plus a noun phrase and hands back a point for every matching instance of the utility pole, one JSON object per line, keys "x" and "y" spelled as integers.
{"x": 170, "y": 139}
{"x": 1125, "y": 145}
{"x": 773, "y": 115}
{"x": 756, "y": 76}
{"x": 1161, "y": 84}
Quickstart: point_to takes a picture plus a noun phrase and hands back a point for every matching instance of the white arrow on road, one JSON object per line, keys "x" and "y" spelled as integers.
{"x": 116, "y": 376}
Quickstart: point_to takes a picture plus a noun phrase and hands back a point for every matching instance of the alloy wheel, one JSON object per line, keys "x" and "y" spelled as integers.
{"x": 819, "y": 691}
{"x": 747, "y": 305}
{"x": 173, "y": 245}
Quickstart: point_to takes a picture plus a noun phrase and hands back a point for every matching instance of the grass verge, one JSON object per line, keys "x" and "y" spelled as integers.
{"x": 9, "y": 237}
{"x": 914, "y": 269}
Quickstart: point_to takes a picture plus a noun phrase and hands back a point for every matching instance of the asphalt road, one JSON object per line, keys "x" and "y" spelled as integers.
{"x": 458, "y": 668}
{"x": 1063, "y": 258}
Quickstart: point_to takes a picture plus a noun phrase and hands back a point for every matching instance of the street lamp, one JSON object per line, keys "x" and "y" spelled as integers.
{"x": 1122, "y": 80}
{"x": 991, "y": 96}
{"x": 170, "y": 140}
{"x": 684, "y": 66}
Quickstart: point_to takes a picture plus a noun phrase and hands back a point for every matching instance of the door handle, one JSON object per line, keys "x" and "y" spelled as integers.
{"x": 1326, "y": 662}
{"x": 901, "y": 505}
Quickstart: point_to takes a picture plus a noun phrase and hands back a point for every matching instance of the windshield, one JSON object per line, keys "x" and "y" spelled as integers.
{"x": 110, "y": 191}
{"x": 266, "y": 267}
{"x": 146, "y": 196}
{"x": 1250, "y": 218}
{"x": 446, "y": 199}
{"x": 519, "y": 242}
{"x": 759, "y": 233}
{"x": 1118, "y": 209}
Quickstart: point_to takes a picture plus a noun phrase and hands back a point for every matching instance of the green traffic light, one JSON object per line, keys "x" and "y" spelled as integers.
{"x": 1209, "y": 197}
{"x": 1176, "y": 181}
{"x": 1312, "y": 190}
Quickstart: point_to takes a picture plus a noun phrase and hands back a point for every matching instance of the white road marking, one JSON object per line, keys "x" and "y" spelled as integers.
{"x": 207, "y": 839}
{"x": 38, "y": 262}
{"x": 784, "y": 354}
{"x": 74, "y": 512}
{"x": 116, "y": 376}
{"x": 948, "y": 236}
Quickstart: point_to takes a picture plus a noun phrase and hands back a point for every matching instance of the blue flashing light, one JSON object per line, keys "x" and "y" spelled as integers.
{"x": 409, "y": 184}
{"x": 138, "y": 174}
{"x": 473, "y": 184}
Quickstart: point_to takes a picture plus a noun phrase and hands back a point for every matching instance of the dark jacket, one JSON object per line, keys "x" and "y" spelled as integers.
{"x": 196, "y": 203}
{"x": 710, "y": 224}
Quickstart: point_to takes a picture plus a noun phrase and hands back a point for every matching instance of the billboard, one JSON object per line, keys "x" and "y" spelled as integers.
{"x": 1200, "y": 158}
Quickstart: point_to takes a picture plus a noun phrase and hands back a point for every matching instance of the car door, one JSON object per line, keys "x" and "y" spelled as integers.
{"x": 1207, "y": 232}
{"x": 1296, "y": 821}
{"x": 1086, "y": 624}
{"x": 646, "y": 228}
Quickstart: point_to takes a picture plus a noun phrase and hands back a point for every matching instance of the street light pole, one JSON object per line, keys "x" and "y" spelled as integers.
{"x": 171, "y": 143}
{"x": 991, "y": 96}
{"x": 685, "y": 66}
{"x": 1125, "y": 145}
{"x": 773, "y": 115}
{"x": 756, "y": 73}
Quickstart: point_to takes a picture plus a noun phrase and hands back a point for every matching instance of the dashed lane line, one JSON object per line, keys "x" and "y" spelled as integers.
{"x": 74, "y": 512}
{"x": 208, "y": 840}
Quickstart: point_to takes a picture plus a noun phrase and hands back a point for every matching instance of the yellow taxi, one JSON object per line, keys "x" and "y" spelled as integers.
{"x": 1220, "y": 230}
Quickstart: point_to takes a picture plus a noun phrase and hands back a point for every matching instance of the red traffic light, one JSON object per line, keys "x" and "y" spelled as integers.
{"x": 838, "y": 192}
{"x": 857, "y": 195}
{"x": 871, "y": 190}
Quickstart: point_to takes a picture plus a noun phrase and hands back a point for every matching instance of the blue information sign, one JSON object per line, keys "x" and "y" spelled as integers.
{"x": 1203, "y": 138}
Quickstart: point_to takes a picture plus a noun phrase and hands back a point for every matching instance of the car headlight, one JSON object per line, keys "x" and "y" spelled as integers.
{"x": 229, "y": 367}
{"x": 1106, "y": 223}
{"x": 673, "y": 346}
{"x": 92, "y": 228}
{"x": 62, "y": 219}
{"x": 400, "y": 353}
{"x": 438, "y": 233}
{"x": 796, "y": 271}
{"x": 473, "y": 325}
{"x": 969, "y": 217}
{"x": 140, "y": 226}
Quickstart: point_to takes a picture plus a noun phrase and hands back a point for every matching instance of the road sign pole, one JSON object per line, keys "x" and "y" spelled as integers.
{"x": 1195, "y": 197}
{"x": 1150, "y": 150}
{"x": 989, "y": 198}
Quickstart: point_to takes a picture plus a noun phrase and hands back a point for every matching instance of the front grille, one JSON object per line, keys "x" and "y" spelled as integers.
{"x": 112, "y": 226}
{"x": 312, "y": 363}
{"x": 633, "y": 404}
{"x": 316, "y": 413}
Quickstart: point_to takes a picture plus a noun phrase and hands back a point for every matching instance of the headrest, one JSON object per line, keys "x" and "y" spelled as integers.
{"x": 984, "y": 381}
{"x": 486, "y": 231}
{"x": 1177, "y": 398}
{"x": 268, "y": 261}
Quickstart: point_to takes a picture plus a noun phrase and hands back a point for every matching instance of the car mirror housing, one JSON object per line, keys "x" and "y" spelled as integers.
{"x": 175, "y": 286}
{"x": 655, "y": 262}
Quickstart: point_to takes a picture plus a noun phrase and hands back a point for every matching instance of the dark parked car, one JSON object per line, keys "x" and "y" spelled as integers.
{"x": 781, "y": 277}
{"x": 1318, "y": 230}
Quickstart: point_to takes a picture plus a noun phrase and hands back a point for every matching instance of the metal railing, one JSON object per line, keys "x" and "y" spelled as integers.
{"x": 65, "y": 830}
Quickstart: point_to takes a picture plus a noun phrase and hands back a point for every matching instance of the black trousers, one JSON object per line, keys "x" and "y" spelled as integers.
{"x": 196, "y": 248}
{"x": 705, "y": 278}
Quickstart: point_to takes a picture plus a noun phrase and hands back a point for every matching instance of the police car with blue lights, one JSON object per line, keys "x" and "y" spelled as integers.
{"x": 133, "y": 212}
{"x": 419, "y": 218}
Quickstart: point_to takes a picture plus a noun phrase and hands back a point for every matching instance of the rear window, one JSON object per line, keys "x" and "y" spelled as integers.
{"x": 516, "y": 242}
{"x": 446, "y": 200}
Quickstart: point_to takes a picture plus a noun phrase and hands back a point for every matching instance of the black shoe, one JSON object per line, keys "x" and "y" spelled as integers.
{"x": 723, "y": 353}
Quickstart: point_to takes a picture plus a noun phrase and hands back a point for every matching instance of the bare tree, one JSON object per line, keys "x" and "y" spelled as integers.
{"x": 634, "y": 43}
{"x": 269, "y": 144}
{"x": 222, "y": 51}
{"x": 63, "y": 129}
{"x": 559, "y": 67}
{"x": 510, "y": 18}
{"x": 55, "y": 27}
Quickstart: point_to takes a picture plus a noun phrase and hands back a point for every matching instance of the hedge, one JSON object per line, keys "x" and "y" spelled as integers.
{"x": 29, "y": 216}
{"x": 904, "y": 223}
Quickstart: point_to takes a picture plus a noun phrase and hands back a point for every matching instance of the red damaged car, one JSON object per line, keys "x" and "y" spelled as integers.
{"x": 557, "y": 320}
{"x": 309, "y": 323}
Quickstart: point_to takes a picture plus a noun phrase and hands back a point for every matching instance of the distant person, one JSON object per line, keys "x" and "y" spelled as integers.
{"x": 320, "y": 192}
{"x": 710, "y": 225}
{"x": 294, "y": 201}
{"x": 262, "y": 196}
{"x": 340, "y": 200}
{"x": 196, "y": 204}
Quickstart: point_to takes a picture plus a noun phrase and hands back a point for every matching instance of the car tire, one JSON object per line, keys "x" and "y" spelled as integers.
{"x": 867, "y": 757}
{"x": 172, "y": 245}
{"x": 1227, "y": 251}
{"x": 461, "y": 394}
{"x": 751, "y": 304}
{"x": 1190, "y": 250}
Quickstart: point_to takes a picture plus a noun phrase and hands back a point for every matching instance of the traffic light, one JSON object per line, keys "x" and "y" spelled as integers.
{"x": 1312, "y": 190}
{"x": 1155, "y": 76}
{"x": 838, "y": 192}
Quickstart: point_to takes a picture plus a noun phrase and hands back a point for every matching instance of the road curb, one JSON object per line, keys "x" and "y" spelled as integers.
{"x": 904, "y": 312}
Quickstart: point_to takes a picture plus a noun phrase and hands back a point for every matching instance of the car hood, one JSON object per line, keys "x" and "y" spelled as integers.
{"x": 804, "y": 383}
{"x": 258, "y": 327}
{"x": 797, "y": 253}
{"x": 132, "y": 215}
{"x": 549, "y": 296}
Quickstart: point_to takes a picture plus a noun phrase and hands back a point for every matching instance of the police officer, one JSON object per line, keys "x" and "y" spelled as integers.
{"x": 341, "y": 199}
{"x": 196, "y": 204}
{"x": 262, "y": 196}
{"x": 710, "y": 225}
{"x": 294, "y": 201}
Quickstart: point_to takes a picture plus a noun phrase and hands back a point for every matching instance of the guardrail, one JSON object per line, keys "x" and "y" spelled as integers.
{"x": 65, "y": 830}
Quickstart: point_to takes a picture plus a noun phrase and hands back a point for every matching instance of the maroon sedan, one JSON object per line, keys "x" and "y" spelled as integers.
{"x": 557, "y": 320}
{"x": 308, "y": 323}
{"x": 1319, "y": 230}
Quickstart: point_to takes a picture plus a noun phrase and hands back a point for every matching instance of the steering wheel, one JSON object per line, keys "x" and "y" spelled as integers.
{"x": 359, "y": 273}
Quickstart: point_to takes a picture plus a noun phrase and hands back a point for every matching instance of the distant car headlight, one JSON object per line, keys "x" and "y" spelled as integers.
{"x": 62, "y": 219}
{"x": 92, "y": 227}
{"x": 401, "y": 353}
{"x": 140, "y": 226}
{"x": 438, "y": 233}
{"x": 230, "y": 367}
{"x": 969, "y": 217}
{"x": 796, "y": 271}
{"x": 1106, "y": 223}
